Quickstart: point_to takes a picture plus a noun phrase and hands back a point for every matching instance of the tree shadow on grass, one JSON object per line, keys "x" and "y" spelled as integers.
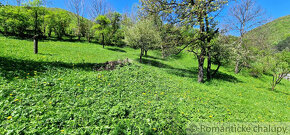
{"x": 11, "y": 68}
{"x": 152, "y": 57}
{"x": 189, "y": 73}
{"x": 116, "y": 50}
{"x": 225, "y": 77}
{"x": 278, "y": 91}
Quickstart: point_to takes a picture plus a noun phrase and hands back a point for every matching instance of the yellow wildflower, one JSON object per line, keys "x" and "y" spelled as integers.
{"x": 50, "y": 102}
{"x": 79, "y": 85}
{"x": 210, "y": 116}
{"x": 11, "y": 94}
{"x": 61, "y": 130}
{"x": 16, "y": 100}
{"x": 9, "y": 117}
{"x": 144, "y": 93}
{"x": 154, "y": 129}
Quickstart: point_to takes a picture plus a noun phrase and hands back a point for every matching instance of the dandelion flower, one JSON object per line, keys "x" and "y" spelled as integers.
{"x": 9, "y": 117}
{"x": 210, "y": 116}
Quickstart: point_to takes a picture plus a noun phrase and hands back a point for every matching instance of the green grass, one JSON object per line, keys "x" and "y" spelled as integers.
{"x": 57, "y": 92}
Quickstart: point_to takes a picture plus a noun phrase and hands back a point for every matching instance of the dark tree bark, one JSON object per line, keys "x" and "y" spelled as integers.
{"x": 35, "y": 44}
{"x": 141, "y": 54}
{"x": 146, "y": 52}
{"x": 49, "y": 32}
{"x": 237, "y": 70}
{"x": 103, "y": 40}
{"x": 200, "y": 68}
{"x": 202, "y": 47}
{"x": 208, "y": 65}
{"x": 217, "y": 69}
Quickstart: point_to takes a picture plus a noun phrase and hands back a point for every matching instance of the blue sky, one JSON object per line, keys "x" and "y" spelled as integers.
{"x": 274, "y": 8}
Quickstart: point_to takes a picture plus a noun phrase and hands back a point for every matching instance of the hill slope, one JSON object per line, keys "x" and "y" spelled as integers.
{"x": 275, "y": 31}
{"x": 57, "y": 92}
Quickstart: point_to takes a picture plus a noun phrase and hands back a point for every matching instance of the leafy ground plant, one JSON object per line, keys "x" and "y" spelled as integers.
{"x": 58, "y": 92}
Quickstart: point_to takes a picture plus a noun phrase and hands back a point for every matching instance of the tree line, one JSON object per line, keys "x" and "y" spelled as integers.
{"x": 33, "y": 18}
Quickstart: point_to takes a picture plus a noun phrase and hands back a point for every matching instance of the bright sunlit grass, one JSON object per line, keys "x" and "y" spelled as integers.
{"x": 57, "y": 91}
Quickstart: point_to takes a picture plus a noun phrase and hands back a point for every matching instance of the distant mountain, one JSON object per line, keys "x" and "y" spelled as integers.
{"x": 277, "y": 32}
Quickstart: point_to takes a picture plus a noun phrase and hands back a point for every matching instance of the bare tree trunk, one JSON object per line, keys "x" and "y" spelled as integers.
{"x": 146, "y": 52}
{"x": 35, "y": 44}
{"x": 217, "y": 69}
{"x": 141, "y": 54}
{"x": 103, "y": 40}
{"x": 49, "y": 32}
{"x": 237, "y": 70}
{"x": 208, "y": 65}
{"x": 200, "y": 68}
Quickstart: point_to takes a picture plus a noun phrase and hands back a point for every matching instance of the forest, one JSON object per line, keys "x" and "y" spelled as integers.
{"x": 154, "y": 68}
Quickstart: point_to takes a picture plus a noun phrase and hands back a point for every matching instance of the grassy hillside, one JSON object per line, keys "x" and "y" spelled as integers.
{"x": 276, "y": 31}
{"x": 57, "y": 92}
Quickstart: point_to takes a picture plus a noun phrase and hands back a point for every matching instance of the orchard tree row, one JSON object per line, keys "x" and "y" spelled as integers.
{"x": 171, "y": 26}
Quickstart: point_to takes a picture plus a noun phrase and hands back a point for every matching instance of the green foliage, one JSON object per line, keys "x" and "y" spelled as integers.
{"x": 14, "y": 21}
{"x": 283, "y": 45}
{"x": 57, "y": 92}
{"x": 57, "y": 22}
{"x": 276, "y": 30}
{"x": 222, "y": 49}
{"x": 103, "y": 28}
{"x": 117, "y": 33}
{"x": 171, "y": 39}
{"x": 143, "y": 35}
{"x": 281, "y": 67}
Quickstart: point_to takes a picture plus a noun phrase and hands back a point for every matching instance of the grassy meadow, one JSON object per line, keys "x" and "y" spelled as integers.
{"x": 58, "y": 92}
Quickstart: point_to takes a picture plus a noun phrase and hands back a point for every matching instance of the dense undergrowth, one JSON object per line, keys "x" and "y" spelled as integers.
{"x": 58, "y": 92}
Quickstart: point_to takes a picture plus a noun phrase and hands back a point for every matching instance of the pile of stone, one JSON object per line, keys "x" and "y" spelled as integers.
{"x": 111, "y": 65}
